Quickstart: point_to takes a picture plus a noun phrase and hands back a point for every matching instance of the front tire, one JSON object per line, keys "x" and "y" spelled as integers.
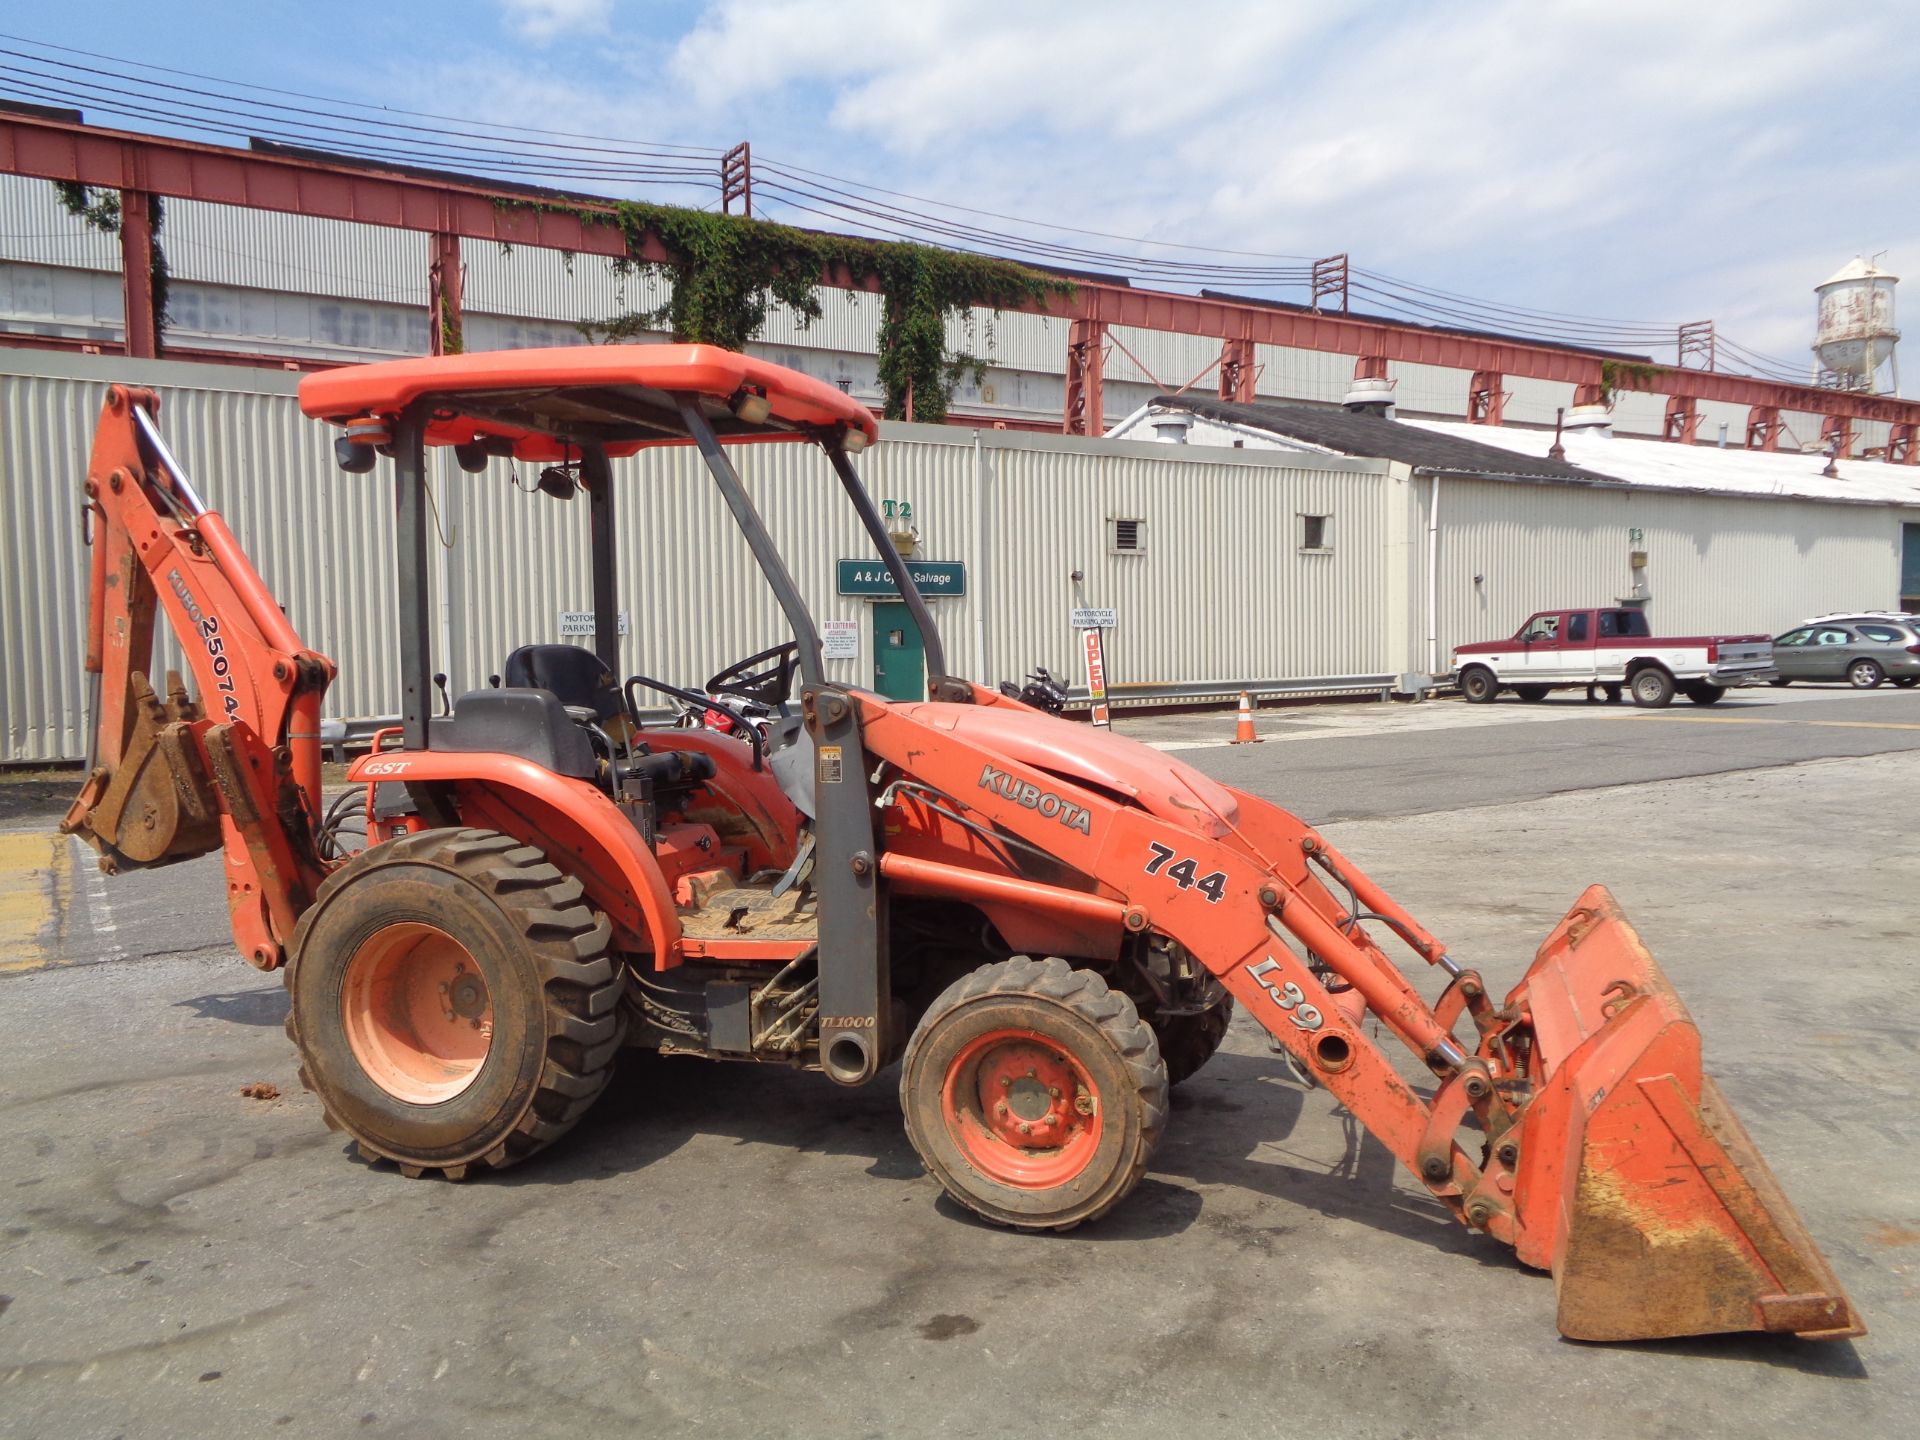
{"x": 1034, "y": 1093}
{"x": 1478, "y": 685}
{"x": 1865, "y": 674}
{"x": 1188, "y": 1041}
{"x": 454, "y": 1001}
{"x": 1652, "y": 688}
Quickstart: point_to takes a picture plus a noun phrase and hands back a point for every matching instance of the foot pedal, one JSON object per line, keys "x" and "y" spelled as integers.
{"x": 801, "y": 868}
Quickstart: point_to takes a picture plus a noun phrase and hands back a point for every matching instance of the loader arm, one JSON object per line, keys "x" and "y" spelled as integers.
{"x": 1603, "y": 1151}
{"x": 238, "y": 767}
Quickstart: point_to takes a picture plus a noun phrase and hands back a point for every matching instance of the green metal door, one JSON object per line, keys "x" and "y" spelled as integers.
{"x": 899, "y": 654}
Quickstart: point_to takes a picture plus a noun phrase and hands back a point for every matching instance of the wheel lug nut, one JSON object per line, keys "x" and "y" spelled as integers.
{"x": 1032, "y": 1074}
{"x": 1001, "y": 1108}
{"x": 1054, "y": 1091}
{"x": 1025, "y": 1128}
{"x": 1005, "y": 1080}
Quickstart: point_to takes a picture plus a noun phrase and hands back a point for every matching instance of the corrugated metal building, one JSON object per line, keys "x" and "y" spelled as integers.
{"x": 1262, "y": 567}
{"x": 1707, "y": 539}
{"x": 1021, "y": 512}
{"x": 250, "y": 280}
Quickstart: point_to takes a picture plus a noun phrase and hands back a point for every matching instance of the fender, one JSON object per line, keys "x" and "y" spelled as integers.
{"x": 763, "y": 808}
{"x": 580, "y": 829}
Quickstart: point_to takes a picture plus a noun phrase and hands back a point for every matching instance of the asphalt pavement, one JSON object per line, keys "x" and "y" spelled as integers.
{"x": 737, "y": 1250}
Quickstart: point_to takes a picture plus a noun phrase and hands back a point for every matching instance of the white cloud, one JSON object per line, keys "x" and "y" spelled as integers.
{"x": 1634, "y": 158}
{"x": 541, "y": 21}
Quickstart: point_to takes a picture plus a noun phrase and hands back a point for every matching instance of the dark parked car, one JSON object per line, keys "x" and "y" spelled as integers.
{"x": 1862, "y": 651}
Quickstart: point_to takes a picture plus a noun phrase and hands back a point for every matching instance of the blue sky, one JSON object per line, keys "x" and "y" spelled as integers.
{"x": 1648, "y": 161}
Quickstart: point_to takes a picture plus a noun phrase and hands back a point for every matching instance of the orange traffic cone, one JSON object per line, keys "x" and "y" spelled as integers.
{"x": 1243, "y": 730}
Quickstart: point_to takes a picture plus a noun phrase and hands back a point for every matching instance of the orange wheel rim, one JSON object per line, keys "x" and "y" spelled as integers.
{"x": 417, "y": 1011}
{"x": 1022, "y": 1110}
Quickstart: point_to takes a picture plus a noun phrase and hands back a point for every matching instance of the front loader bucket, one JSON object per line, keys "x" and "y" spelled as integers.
{"x": 1637, "y": 1185}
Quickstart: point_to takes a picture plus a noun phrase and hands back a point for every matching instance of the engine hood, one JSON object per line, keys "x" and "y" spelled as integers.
{"x": 1155, "y": 781}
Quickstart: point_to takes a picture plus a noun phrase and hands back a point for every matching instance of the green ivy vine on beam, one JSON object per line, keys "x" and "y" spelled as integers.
{"x": 103, "y": 214}
{"x": 1613, "y": 372}
{"x": 727, "y": 271}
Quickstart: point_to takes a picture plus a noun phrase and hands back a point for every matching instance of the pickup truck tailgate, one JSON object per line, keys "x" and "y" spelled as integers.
{"x": 1744, "y": 652}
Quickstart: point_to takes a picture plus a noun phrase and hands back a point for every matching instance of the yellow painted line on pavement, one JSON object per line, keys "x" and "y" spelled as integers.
{"x": 36, "y": 874}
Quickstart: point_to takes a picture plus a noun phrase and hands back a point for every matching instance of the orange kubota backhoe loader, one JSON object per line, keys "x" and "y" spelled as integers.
{"x": 1045, "y": 925}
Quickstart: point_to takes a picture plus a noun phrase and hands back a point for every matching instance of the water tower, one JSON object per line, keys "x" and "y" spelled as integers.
{"x": 1854, "y": 335}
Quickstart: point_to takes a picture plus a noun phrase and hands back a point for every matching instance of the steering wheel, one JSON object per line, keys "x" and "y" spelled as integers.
{"x": 765, "y": 679}
{"x": 691, "y": 703}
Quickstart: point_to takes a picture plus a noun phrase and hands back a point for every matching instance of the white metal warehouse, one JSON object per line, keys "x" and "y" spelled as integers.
{"x": 1200, "y": 549}
{"x": 317, "y": 289}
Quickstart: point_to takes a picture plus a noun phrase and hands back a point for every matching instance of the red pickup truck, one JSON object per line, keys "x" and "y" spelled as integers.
{"x": 1611, "y": 650}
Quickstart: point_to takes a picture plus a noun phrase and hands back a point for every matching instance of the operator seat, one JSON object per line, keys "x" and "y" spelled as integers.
{"x": 584, "y": 685}
{"x": 578, "y": 677}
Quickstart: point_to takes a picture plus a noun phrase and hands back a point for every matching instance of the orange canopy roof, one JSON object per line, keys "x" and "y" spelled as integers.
{"x": 615, "y": 395}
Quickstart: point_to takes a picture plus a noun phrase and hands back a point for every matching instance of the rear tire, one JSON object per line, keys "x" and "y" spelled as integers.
{"x": 1188, "y": 1041}
{"x": 1652, "y": 688}
{"x": 1906, "y": 682}
{"x": 1781, "y": 683}
{"x": 1865, "y": 674}
{"x": 454, "y": 1001}
{"x": 1478, "y": 685}
{"x": 1533, "y": 694}
{"x": 1040, "y": 1044}
{"x": 1705, "y": 694}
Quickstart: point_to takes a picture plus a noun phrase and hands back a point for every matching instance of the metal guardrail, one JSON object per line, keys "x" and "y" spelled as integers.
{"x": 1228, "y": 690}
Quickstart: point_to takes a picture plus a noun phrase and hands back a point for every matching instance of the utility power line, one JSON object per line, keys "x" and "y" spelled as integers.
{"x": 235, "y": 109}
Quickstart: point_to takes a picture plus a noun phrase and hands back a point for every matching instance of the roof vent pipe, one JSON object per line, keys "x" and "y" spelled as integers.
{"x": 1170, "y": 427}
{"x": 1591, "y": 414}
{"x": 1371, "y": 392}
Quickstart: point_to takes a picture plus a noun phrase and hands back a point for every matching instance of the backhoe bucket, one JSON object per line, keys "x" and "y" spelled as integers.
{"x": 157, "y": 804}
{"x": 1637, "y": 1185}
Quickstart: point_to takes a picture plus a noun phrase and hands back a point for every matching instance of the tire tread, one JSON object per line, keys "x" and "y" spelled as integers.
{"x": 579, "y": 977}
{"x": 1087, "y": 996}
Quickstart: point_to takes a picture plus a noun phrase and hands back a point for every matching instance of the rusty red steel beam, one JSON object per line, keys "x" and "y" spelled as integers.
{"x": 221, "y": 175}
{"x": 55, "y": 149}
{"x": 1304, "y": 330}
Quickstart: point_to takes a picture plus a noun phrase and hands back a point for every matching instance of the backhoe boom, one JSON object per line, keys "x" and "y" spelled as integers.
{"x": 173, "y": 778}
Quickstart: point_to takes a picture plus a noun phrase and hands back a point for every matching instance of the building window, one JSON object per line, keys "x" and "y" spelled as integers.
{"x": 1316, "y": 535}
{"x": 1126, "y": 536}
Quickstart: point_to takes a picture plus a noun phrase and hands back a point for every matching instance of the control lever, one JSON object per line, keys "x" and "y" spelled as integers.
{"x": 440, "y": 684}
